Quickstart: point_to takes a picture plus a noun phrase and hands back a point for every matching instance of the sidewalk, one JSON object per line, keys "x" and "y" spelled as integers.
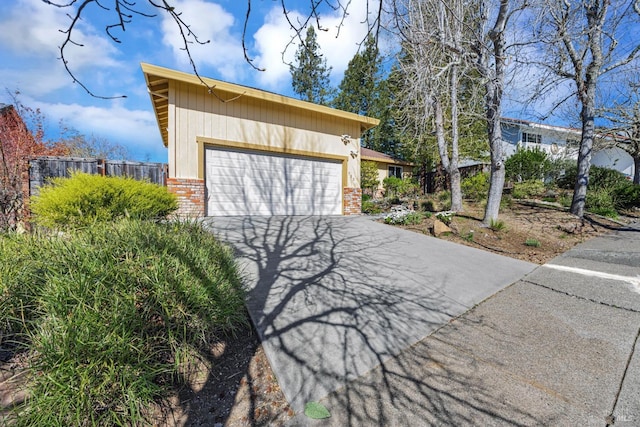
{"x": 558, "y": 347}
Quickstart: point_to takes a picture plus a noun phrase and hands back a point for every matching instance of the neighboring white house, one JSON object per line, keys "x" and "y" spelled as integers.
{"x": 559, "y": 142}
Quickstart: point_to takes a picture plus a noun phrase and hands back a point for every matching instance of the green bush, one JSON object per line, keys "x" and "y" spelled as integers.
{"x": 369, "y": 180}
{"x": 600, "y": 201}
{"x": 426, "y": 205}
{"x": 475, "y": 187}
{"x": 627, "y": 195}
{"x": 527, "y": 164}
{"x": 109, "y": 314}
{"x": 527, "y": 189}
{"x": 84, "y": 199}
{"x": 608, "y": 192}
{"x": 370, "y": 207}
{"x": 402, "y": 188}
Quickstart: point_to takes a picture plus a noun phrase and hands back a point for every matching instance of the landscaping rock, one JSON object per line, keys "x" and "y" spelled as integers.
{"x": 440, "y": 228}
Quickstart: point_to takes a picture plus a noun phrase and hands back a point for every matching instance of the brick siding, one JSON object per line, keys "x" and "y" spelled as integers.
{"x": 352, "y": 201}
{"x": 190, "y": 194}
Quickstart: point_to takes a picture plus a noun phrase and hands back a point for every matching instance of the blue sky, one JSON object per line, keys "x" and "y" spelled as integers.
{"x": 29, "y": 51}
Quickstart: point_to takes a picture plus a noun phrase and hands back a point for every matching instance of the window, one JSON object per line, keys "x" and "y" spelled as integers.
{"x": 395, "y": 171}
{"x": 531, "y": 138}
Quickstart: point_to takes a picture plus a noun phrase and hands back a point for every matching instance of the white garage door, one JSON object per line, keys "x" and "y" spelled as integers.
{"x": 243, "y": 182}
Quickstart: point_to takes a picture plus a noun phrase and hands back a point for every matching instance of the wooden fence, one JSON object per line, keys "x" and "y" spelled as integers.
{"x": 41, "y": 169}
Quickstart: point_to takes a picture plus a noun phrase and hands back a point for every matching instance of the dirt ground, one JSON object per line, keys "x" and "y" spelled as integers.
{"x": 236, "y": 387}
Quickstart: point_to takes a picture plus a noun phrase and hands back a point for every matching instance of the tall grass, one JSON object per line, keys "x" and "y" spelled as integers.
{"x": 108, "y": 313}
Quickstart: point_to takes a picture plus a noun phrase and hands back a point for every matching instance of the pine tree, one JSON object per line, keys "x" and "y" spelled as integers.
{"x": 359, "y": 86}
{"x": 310, "y": 78}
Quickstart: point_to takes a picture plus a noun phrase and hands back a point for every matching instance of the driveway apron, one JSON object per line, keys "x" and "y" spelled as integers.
{"x": 334, "y": 297}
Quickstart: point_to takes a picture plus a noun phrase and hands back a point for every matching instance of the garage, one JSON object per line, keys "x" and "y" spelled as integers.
{"x": 251, "y": 182}
{"x": 237, "y": 150}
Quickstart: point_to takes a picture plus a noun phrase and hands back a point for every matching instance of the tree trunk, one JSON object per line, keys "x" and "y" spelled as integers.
{"x": 636, "y": 169}
{"x": 453, "y": 174}
{"x": 494, "y": 86}
{"x": 584, "y": 162}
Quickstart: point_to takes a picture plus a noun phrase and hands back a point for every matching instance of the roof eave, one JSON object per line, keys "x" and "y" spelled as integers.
{"x": 366, "y": 123}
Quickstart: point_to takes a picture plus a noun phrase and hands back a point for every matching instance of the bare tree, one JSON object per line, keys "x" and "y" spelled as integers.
{"x": 475, "y": 33}
{"x": 490, "y": 48}
{"x": 624, "y": 114}
{"x": 582, "y": 41}
{"x": 121, "y": 13}
{"x": 434, "y": 59}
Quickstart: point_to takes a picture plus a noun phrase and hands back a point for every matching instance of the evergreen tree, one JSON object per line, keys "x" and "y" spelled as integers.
{"x": 310, "y": 77}
{"x": 359, "y": 86}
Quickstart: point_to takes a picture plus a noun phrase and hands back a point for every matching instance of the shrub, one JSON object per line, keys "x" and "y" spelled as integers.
{"x": 475, "y": 187}
{"x": 84, "y": 199}
{"x": 369, "y": 177}
{"x": 444, "y": 200}
{"x": 107, "y": 314}
{"x": 402, "y": 188}
{"x": 600, "y": 201}
{"x": 527, "y": 164}
{"x": 426, "y": 205}
{"x": 627, "y": 195}
{"x": 527, "y": 189}
{"x": 370, "y": 207}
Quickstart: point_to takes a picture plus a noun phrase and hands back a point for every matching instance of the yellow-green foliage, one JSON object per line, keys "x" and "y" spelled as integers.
{"x": 369, "y": 176}
{"x": 527, "y": 189}
{"x": 85, "y": 199}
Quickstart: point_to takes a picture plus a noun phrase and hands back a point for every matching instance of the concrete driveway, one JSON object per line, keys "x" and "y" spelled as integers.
{"x": 333, "y": 298}
{"x": 559, "y": 347}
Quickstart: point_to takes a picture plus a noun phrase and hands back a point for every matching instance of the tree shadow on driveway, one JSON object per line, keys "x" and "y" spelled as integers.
{"x": 334, "y": 298}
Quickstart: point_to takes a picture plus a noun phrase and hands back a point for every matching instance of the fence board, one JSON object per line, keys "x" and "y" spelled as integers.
{"x": 42, "y": 169}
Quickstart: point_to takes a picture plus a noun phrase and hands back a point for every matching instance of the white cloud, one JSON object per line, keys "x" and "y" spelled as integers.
{"x": 135, "y": 129}
{"x": 338, "y": 44}
{"x": 31, "y": 33}
{"x": 208, "y": 21}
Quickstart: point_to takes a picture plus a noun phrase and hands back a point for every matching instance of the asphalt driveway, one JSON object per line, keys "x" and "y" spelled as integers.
{"x": 333, "y": 298}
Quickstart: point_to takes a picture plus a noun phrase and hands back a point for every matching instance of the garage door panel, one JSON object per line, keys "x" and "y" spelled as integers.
{"x": 242, "y": 182}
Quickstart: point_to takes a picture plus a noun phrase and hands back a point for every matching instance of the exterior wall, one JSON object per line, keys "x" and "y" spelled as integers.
{"x": 352, "y": 201}
{"x": 196, "y": 116}
{"x": 256, "y": 122}
{"x": 383, "y": 172}
{"x": 512, "y": 137}
{"x": 614, "y": 158}
{"x": 190, "y": 192}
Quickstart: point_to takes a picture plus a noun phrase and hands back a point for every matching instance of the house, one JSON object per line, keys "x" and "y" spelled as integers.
{"x": 557, "y": 141}
{"x": 236, "y": 150}
{"x": 561, "y": 142}
{"x": 387, "y": 166}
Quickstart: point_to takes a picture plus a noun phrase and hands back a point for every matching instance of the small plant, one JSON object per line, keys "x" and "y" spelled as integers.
{"x": 403, "y": 216}
{"x": 370, "y": 207}
{"x": 497, "y": 225}
{"x": 445, "y": 216}
{"x": 535, "y": 243}
{"x": 469, "y": 236}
